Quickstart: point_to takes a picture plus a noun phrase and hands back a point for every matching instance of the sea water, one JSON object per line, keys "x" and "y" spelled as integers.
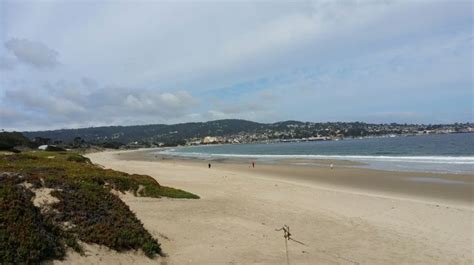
{"x": 453, "y": 153}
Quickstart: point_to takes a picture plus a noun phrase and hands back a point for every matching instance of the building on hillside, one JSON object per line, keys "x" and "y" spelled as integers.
{"x": 209, "y": 140}
{"x": 43, "y": 147}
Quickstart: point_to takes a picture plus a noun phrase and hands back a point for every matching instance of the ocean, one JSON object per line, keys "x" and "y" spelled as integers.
{"x": 449, "y": 153}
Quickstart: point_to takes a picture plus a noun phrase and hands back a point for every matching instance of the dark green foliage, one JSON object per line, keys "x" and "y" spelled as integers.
{"x": 163, "y": 191}
{"x": 150, "y": 247}
{"x": 8, "y": 140}
{"x": 65, "y": 167}
{"x": 13, "y": 150}
{"x": 19, "y": 157}
{"x": 112, "y": 145}
{"x": 170, "y": 135}
{"x": 174, "y": 142}
{"x": 175, "y": 134}
{"x": 85, "y": 201}
{"x": 102, "y": 218}
{"x": 54, "y": 148}
{"x": 71, "y": 241}
{"x": 41, "y": 141}
{"x": 78, "y": 158}
{"x": 25, "y": 235}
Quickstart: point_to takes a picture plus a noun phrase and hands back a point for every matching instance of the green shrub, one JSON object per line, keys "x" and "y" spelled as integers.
{"x": 53, "y": 148}
{"x": 85, "y": 201}
{"x": 78, "y": 158}
{"x": 163, "y": 191}
{"x": 26, "y": 237}
{"x": 150, "y": 247}
{"x": 8, "y": 140}
{"x": 71, "y": 242}
{"x": 102, "y": 218}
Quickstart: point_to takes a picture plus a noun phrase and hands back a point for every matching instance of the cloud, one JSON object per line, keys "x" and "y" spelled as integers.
{"x": 240, "y": 107}
{"x": 76, "y": 104}
{"x": 166, "y": 104}
{"x": 33, "y": 53}
{"x": 89, "y": 82}
{"x": 268, "y": 61}
{"x": 7, "y": 63}
{"x": 52, "y": 105}
{"x": 259, "y": 116}
{"x": 11, "y": 118}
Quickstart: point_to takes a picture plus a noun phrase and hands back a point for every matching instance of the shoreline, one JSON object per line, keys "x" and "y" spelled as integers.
{"x": 449, "y": 164}
{"x": 455, "y": 188}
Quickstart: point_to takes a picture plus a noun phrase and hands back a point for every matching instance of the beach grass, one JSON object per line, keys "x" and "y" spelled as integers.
{"x": 84, "y": 210}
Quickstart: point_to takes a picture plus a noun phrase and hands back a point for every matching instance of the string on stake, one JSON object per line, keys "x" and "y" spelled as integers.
{"x": 287, "y": 237}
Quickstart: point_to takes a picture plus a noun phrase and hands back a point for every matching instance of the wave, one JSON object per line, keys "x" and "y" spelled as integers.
{"x": 465, "y": 160}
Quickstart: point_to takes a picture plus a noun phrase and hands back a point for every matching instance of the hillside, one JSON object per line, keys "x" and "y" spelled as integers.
{"x": 233, "y": 130}
{"x": 157, "y": 132}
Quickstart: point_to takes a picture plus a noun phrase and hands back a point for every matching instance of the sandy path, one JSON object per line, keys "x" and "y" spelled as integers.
{"x": 234, "y": 221}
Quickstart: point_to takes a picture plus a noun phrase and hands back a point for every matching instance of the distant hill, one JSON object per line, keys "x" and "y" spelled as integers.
{"x": 157, "y": 132}
{"x": 244, "y": 131}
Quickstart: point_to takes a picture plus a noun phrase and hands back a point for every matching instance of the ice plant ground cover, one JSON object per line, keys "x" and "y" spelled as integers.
{"x": 81, "y": 207}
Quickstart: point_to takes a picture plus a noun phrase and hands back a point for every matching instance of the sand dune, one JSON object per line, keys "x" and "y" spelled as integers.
{"x": 234, "y": 222}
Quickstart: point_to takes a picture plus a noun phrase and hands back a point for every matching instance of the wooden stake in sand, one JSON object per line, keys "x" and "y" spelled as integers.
{"x": 287, "y": 237}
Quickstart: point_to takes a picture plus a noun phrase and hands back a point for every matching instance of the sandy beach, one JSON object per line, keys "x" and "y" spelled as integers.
{"x": 343, "y": 216}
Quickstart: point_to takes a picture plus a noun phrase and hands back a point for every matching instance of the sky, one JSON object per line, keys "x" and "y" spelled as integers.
{"x": 71, "y": 64}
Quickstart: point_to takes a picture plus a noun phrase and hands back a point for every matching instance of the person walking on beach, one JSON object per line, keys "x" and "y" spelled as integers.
{"x": 209, "y": 165}
{"x": 253, "y": 164}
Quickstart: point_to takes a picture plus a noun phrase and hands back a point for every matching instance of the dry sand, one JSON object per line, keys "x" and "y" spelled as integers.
{"x": 341, "y": 216}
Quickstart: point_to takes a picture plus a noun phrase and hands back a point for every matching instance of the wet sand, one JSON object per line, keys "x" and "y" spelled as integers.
{"x": 457, "y": 189}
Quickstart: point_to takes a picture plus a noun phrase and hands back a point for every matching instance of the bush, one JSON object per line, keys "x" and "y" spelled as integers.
{"x": 163, "y": 191}
{"x": 85, "y": 201}
{"x": 102, "y": 218}
{"x": 112, "y": 145}
{"x": 53, "y": 148}
{"x": 26, "y": 237}
{"x": 78, "y": 158}
{"x": 8, "y": 140}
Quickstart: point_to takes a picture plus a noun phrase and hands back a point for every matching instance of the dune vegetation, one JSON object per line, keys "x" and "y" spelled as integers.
{"x": 82, "y": 207}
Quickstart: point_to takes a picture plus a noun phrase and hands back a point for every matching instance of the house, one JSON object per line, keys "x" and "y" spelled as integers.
{"x": 209, "y": 140}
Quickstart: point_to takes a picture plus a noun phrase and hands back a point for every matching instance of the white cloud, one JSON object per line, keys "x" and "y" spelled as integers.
{"x": 74, "y": 104}
{"x": 166, "y": 104}
{"x": 240, "y": 107}
{"x": 319, "y": 59}
{"x": 53, "y": 105}
{"x": 11, "y": 118}
{"x": 7, "y": 62}
{"x": 33, "y": 53}
{"x": 89, "y": 82}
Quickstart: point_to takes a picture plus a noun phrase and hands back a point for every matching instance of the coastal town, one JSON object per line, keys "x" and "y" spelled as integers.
{"x": 334, "y": 131}
{"x": 232, "y": 132}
